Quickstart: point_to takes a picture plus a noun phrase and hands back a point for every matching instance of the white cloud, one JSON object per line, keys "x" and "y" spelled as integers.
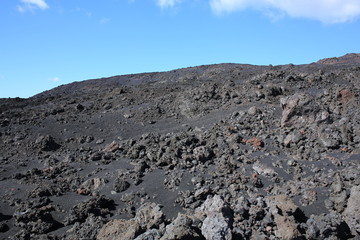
{"x": 167, "y": 3}
{"x": 31, "y": 5}
{"x": 55, "y": 79}
{"x": 326, "y": 11}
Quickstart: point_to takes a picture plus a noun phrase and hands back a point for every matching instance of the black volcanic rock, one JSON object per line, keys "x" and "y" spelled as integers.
{"x": 255, "y": 152}
{"x": 47, "y": 143}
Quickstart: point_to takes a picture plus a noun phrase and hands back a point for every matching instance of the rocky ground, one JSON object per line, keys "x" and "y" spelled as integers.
{"x": 224, "y": 151}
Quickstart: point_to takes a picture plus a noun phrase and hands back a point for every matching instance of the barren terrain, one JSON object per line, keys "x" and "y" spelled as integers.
{"x": 227, "y": 151}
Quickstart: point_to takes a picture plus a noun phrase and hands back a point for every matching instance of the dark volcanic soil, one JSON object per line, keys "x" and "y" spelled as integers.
{"x": 224, "y": 151}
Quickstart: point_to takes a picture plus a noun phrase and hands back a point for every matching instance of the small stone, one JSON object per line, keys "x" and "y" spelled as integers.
{"x": 253, "y": 110}
{"x": 112, "y": 147}
{"x": 203, "y": 153}
{"x": 256, "y": 142}
{"x": 83, "y": 191}
{"x": 264, "y": 170}
{"x": 121, "y": 185}
{"x": 93, "y": 184}
{"x": 79, "y": 107}
{"x": 128, "y": 115}
{"x": 47, "y": 143}
{"x": 100, "y": 141}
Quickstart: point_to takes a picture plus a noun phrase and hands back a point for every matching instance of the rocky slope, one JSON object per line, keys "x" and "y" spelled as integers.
{"x": 351, "y": 58}
{"x": 224, "y": 151}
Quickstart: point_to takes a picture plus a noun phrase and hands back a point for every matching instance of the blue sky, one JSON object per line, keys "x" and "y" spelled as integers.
{"x": 46, "y": 43}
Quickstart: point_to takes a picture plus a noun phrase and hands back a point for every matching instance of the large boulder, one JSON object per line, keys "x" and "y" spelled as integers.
{"x": 216, "y": 228}
{"x": 119, "y": 229}
{"x": 283, "y": 209}
{"x": 149, "y": 215}
{"x": 180, "y": 228}
{"x": 300, "y": 110}
{"x": 352, "y": 211}
{"x": 87, "y": 230}
{"x": 152, "y": 234}
{"x": 99, "y": 206}
{"x": 217, "y": 219}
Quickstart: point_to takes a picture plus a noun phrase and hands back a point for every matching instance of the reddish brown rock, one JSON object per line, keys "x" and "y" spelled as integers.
{"x": 345, "y": 96}
{"x": 256, "y": 142}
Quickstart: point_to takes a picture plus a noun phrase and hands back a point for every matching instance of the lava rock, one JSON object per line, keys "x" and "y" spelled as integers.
{"x": 119, "y": 229}
{"x": 92, "y": 184}
{"x": 98, "y": 206}
{"x": 283, "y": 209}
{"x": 217, "y": 222}
{"x": 47, "y": 143}
{"x": 152, "y": 234}
{"x": 300, "y": 110}
{"x": 149, "y": 215}
{"x": 4, "y": 227}
{"x": 112, "y": 147}
{"x": 88, "y": 229}
{"x": 180, "y": 228}
{"x": 352, "y": 211}
{"x": 121, "y": 185}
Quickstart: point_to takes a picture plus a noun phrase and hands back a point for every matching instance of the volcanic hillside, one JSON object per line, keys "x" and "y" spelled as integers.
{"x": 227, "y": 151}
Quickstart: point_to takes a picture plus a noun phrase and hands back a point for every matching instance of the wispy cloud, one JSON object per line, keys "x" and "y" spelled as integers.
{"x": 31, "y": 5}
{"x": 104, "y": 20}
{"x": 167, "y": 3}
{"x": 326, "y": 11}
{"x": 84, "y": 11}
{"x": 54, "y": 79}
